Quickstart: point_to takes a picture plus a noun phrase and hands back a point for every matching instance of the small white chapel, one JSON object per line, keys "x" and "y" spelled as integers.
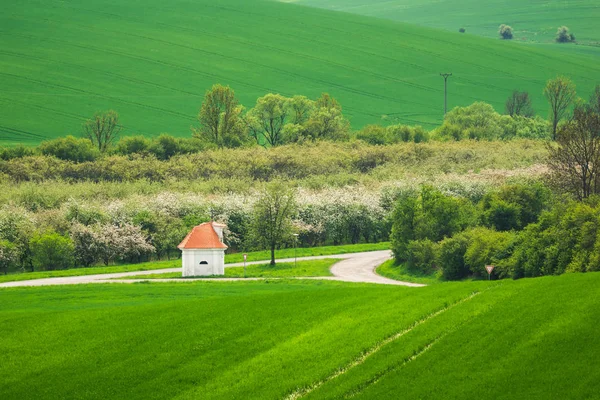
{"x": 203, "y": 250}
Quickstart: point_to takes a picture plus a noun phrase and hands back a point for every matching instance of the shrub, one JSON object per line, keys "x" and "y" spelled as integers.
{"x": 422, "y": 255}
{"x": 429, "y": 215}
{"x": 505, "y": 32}
{"x": 485, "y": 247}
{"x": 451, "y": 257}
{"x": 20, "y": 151}
{"x": 514, "y": 206}
{"x": 563, "y": 35}
{"x": 51, "y": 251}
{"x": 133, "y": 144}
{"x": 71, "y": 149}
{"x": 477, "y": 121}
{"x": 462, "y": 30}
{"x": 9, "y": 255}
{"x": 373, "y": 134}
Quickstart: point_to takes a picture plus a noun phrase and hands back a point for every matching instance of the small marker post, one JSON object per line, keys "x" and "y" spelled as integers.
{"x": 489, "y": 269}
{"x": 245, "y": 257}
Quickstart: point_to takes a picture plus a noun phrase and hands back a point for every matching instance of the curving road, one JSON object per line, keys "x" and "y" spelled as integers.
{"x": 354, "y": 267}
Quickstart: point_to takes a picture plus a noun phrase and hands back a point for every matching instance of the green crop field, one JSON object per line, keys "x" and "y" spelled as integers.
{"x": 532, "y": 20}
{"x": 532, "y": 338}
{"x": 152, "y": 62}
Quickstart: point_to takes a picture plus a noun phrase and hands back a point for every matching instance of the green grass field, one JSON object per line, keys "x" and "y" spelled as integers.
{"x": 61, "y": 62}
{"x": 401, "y": 273}
{"x": 532, "y": 20}
{"x": 532, "y": 338}
{"x": 309, "y": 268}
{"x": 229, "y": 259}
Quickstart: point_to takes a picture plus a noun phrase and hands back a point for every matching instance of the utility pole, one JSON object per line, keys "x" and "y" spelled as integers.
{"x": 446, "y": 76}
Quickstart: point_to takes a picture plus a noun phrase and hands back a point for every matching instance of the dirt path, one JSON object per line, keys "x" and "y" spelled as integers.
{"x": 354, "y": 267}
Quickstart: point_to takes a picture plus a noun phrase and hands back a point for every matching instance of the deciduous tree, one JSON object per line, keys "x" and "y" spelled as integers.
{"x": 519, "y": 103}
{"x": 103, "y": 129}
{"x": 560, "y": 93}
{"x": 574, "y": 160}
{"x": 268, "y": 118}
{"x": 273, "y": 211}
{"x": 220, "y": 117}
{"x": 505, "y": 32}
{"x": 9, "y": 255}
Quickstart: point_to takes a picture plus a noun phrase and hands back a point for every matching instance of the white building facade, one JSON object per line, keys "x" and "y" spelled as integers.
{"x": 203, "y": 251}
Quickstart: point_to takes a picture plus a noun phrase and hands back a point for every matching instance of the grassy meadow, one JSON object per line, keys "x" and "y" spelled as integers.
{"x": 61, "y": 62}
{"x": 532, "y": 338}
{"x": 533, "y": 20}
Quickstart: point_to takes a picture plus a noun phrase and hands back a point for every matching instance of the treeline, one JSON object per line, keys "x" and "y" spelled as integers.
{"x": 294, "y": 161}
{"x": 519, "y": 229}
{"x": 86, "y": 233}
{"x": 277, "y": 120}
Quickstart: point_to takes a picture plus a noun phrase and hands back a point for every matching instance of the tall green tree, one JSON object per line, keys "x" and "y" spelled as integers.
{"x": 327, "y": 120}
{"x": 220, "y": 117}
{"x": 102, "y": 129}
{"x": 272, "y": 219}
{"x": 561, "y": 94}
{"x": 268, "y": 118}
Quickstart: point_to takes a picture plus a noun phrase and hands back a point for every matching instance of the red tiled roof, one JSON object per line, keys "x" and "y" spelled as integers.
{"x": 202, "y": 236}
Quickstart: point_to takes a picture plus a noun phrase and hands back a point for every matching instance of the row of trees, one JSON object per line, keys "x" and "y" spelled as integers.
{"x": 274, "y": 120}
{"x": 277, "y": 120}
{"x": 83, "y": 234}
{"x": 516, "y": 228}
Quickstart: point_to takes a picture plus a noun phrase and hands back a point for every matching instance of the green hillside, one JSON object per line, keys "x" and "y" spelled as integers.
{"x": 531, "y": 339}
{"x": 152, "y": 62}
{"x": 533, "y": 20}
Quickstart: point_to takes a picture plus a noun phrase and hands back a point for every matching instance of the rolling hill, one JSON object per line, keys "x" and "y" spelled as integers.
{"x": 152, "y": 62}
{"x": 532, "y": 20}
{"x": 532, "y": 338}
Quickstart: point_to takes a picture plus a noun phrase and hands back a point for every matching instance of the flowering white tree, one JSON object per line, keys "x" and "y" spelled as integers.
{"x": 9, "y": 255}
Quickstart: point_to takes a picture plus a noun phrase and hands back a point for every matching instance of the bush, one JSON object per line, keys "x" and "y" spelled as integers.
{"x": 373, "y": 134}
{"x": 429, "y": 215}
{"x": 462, "y": 30}
{"x": 133, "y": 145}
{"x": 51, "y": 251}
{"x": 563, "y": 35}
{"x": 20, "y": 151}
{"x": 422, "y": 255}
{"x": 514, "y": 206}
{"x": 451, "y": 257}
{"x": 71, "y": 149}
{"x": 477, "y": 121}
{"x": 9, "y": 255}
{"x": 489, "y": 247}
{"x": 505, "y": 32}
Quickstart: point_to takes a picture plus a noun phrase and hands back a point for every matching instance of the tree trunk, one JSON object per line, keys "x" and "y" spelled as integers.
{"x": 273, "y": 254}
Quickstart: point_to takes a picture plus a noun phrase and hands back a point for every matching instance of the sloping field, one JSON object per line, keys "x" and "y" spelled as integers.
{"x": 532, "y": 20}
{"x": 152, "y": 62}
{"x": 531, "y": 339}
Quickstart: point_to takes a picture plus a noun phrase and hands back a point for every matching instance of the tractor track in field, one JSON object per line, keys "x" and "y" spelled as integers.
{"x": 353, "y": 267}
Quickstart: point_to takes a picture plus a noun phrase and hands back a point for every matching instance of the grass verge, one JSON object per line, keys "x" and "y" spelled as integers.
{"x": 400, "y": 273}
{"x": 280, "y": 270}
{"x": 229, "y": 259}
